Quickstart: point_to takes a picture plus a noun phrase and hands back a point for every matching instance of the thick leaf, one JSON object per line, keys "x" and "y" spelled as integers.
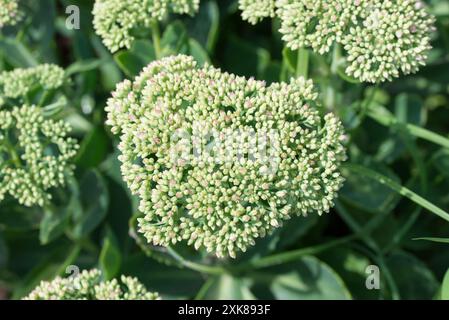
{"x": 53, "y": 224}
{"x": 409, "y": 109}
{"x": 110, "y": 257}
{"x": 204, "y": 28}
{"x": 445, "y": 287}
{"x": 175, "y": 39}
{"x": 227, "y": 287}
{"x": 16, "y": 217}
{"x": 306, "y": 279}
{"x": 367, "y": 194}
{"x": 16, "y": 53}
{"x": 93, "y": 149}
{"x": 94, "y": 201}
{"x": 413, "y": 278}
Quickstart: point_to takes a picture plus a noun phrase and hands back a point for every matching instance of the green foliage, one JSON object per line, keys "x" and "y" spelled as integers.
{"x": 392, "y": 211}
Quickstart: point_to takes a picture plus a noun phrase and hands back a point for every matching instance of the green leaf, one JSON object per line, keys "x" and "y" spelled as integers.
{"x": 226, "y": 287}
{"x": 305, "y": 279}
{"x": 399, "y": 189}
{"x": 110, "y": 257}
{"x": 204, "y": 28}
{"x": 409, "y": 109}
{"x": 53, "y": 224}
{"x": 129, "y": 63}
{"x": 175, "y": 39}
{"x": 93, "y": 149}
{"x": 16, "y": 53}
{"x": 445, "y": 287}
{"x": 413, "y": 278}
{"x": 290, "y": 58}
{"x": 367, "y": 194}
{"x": 198, "y": 52}
{"x": 384, "y": 117}
{"x": 433, "y": 239}
{"x": 93, "y": 202}
{"x": 83, "y": 66}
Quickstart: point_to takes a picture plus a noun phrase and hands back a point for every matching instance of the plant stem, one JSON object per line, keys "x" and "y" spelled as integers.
{"x": 302, "y": 65}
{"x": 156, "y": 38}
{"x": 398, "y": 188}
{"x": 215, "y": 270}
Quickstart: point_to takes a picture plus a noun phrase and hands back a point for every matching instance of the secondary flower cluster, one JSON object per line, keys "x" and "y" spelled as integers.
{"x": 35, "y": 153}
{"x": 20, "y": 82}
{"x": 9, "y": 12}
{"x": 89, "y": 285}
{"x": 223, "y": 206}
{"x": 115, "y": 20}
{"x": 381, "y": 38}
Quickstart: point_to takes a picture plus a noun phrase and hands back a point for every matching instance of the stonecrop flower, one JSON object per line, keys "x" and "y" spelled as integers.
{"x": 10, "y": 13}
{"x": 89, "y": 285}
{"x": 115, "y": 20}
{"x": 35, "y": 154}
{"x": 380, "y": 38}
{"x": 254, "y": 11}
{"x": 222, "y": 194}
{"x": 21, "y": 81}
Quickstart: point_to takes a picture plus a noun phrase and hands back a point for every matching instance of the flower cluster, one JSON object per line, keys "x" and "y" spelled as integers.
{"x": 115, "y": 20}
{"x": 381, "y": 38}
{"x": 19, "y": 82}
{"x": 9, "y": 12}
{"x": 35, "y": 154}
{"x": 89, "y": 285}
{"x": 255, "y": 10}
{"x": 222, "y": 201}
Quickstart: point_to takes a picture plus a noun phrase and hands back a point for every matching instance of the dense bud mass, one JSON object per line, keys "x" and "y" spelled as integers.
{"x": 9, "y": 12}
{"x": 19, "y": 82}
{"x": 229, "y": 189}
{"x": 380, "y": 38}
{"x": 89, "y": 285}
{"x": 35, "y": 155}
{"x": 255, "y": 10}
{"x": 115, "y": 20}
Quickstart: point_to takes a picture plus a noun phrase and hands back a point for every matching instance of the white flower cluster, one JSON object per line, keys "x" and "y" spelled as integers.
{"x": 19, "y": 82}
{"x": 381, "y": 38}
{"x": 223, "y": 206}
{"x": 89, "y": 285}
{"x": 9, "y": 12}
{"x": 254, "y": 11}
{"x": 115, "y": 20}
{"x": 35, "y": 155}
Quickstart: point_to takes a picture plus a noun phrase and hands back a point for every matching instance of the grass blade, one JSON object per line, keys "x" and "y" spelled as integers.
{"x": 399, "y": 189}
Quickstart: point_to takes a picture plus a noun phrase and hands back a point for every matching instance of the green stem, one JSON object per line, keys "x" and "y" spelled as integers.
{"x": 390, "y": 121}
{"x": 156, "y": 38}
{"x": 398, "y": 188}
{"x": 302, "y": 65}
{"x": 214, "y": 270}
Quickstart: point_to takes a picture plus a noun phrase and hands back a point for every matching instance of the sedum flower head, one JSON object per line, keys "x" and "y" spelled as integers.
{"x": 9, "y": 12}
{"x": 255, "y": 10}
{"x": 35, "y": 154}
{"x": 224, "y": 198}
{"x": 381, "y": 38}
{"x": 89, "y": 285}
{"x": 392, "y": 37}
{"x": 19, "y": 82}
{"x": 114, "y": 20}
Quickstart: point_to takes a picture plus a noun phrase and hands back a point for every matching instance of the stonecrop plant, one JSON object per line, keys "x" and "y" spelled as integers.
{"x": 10, "y": 13}
{"x": 89, "y": 285}
{"x": 380, "y": 39}
{"x": 116, "y": 20}
{"x": 36, "y": 150}
{"x": 224, "y": 149}
{"x": 222, "y": 200}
